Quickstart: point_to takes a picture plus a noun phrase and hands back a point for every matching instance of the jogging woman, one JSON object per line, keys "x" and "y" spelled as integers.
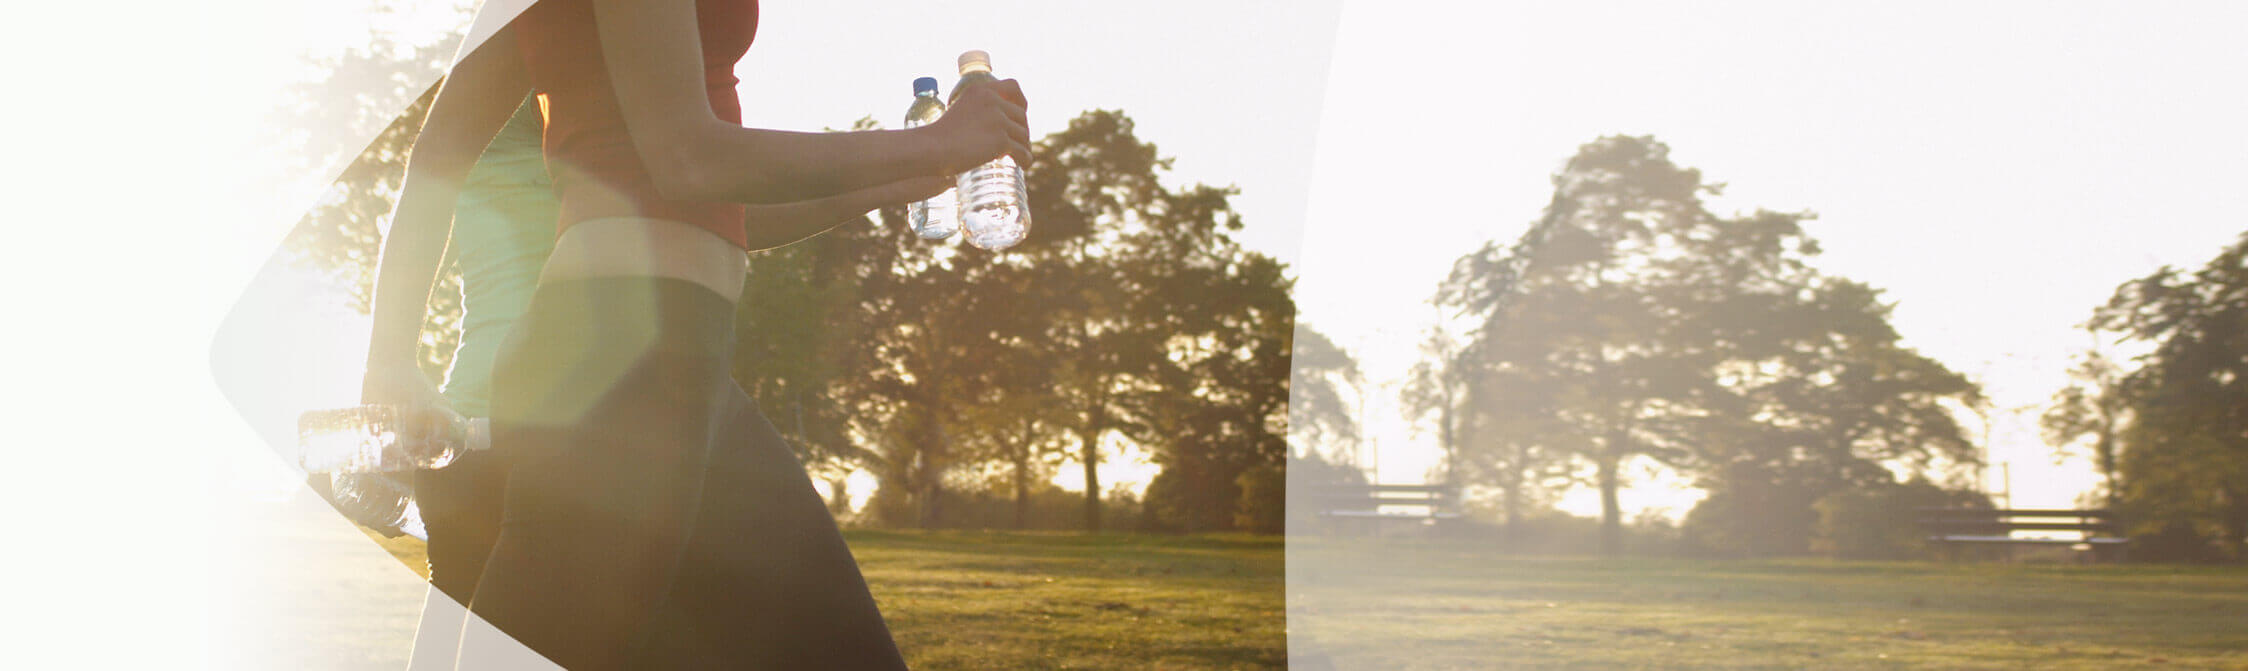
{"x": 500, "y": 233}
{"x": 652, "y": 517}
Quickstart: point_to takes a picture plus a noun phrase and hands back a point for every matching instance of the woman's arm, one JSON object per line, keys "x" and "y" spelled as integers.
{"x": 653, "y": 50}
{"x": 771, "y": 226}
{"x": 474, "y": 101}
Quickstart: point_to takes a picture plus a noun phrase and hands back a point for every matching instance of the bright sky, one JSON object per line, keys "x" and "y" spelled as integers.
{"x": 1998, "y": 167}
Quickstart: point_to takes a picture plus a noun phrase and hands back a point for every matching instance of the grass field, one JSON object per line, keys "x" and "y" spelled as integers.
{"x": 1058, "y": 601}
{"x": 1401, "y": 605}
{"x": 1004, "y": 601}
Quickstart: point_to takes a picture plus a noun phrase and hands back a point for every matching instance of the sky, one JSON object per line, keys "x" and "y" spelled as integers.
{"x": 1995, "y": 167}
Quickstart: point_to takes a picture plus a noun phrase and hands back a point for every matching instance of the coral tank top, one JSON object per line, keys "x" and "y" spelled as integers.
{"x": 597, "y": 172}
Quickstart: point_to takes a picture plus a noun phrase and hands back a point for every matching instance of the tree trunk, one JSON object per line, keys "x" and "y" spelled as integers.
{"x": 2106, "y": 448}
{"x": 839, "y": 496}
{"x": 1091, "y": 454}
{"x": 2235, "y": 532}
{"x": 1611, "y": 513}
{"x": 1022, "y": 490}
{"x": 1451, "y": 441}
{"x": 932, "y": 476}
{"x": 1511, "y": 500}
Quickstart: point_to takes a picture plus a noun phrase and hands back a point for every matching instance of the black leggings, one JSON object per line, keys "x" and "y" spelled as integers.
{"x": 653, "y": 518}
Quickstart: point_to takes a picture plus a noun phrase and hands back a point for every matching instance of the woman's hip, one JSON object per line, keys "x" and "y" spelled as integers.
{"x": 645, "y": 247}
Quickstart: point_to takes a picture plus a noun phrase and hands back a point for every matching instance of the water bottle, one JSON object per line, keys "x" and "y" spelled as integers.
{"x": 378, "y": 501}
{"x": 936, "y": 218}
{"x": 994, "y": 201}
{"x": 376, "y": 439}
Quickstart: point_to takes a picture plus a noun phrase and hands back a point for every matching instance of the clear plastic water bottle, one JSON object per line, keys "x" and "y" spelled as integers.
{"x": 379, "y": 501}
{"x": 938, "y": 217}
{"x": 994, "y": 201}
{"x": 376, "y": 439}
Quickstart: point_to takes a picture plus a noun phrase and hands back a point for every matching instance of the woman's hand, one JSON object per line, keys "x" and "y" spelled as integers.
{"x": 987, "y": 120}
{"x": 422, "y": 410}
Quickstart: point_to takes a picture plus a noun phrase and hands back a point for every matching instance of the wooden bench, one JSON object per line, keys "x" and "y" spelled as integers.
{"x": 2096, "y": 530}
{"x": 1374, "y": 508}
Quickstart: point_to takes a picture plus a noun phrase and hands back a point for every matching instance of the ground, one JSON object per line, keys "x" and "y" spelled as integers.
{"x": 1061, "y": 601}
{"x": 1405, "y": 605}
{"x": 1002, "y": 601}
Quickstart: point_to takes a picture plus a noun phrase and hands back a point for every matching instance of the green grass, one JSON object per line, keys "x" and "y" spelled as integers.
{"x": 1002, "y": 601}
{"x": 961, "y": 600}
{"x": 1402, "y": 605}
{"x": 1065, "y": 601}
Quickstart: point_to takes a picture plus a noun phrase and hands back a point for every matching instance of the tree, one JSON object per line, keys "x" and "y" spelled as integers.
{"x": 1129, "y": 312}
{"x": 1436, "y": 390}
{"x": 1319, "y": 417}
{"x": 1571, "y": 305}
{"x": 2182, "y": 451}
{"x": 2091, "y": 407}
{"x": 1836, "y": 404}
{"x": 1218, "y": 406}
{"x": 1094, "y": 182}
{"x": 1632, "y": 323}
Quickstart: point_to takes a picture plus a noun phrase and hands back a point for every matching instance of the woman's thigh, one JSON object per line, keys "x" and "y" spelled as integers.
{"x": 460, "y": 505}
{"x": 606, "y": 409}
{"x": 767, "y": 581}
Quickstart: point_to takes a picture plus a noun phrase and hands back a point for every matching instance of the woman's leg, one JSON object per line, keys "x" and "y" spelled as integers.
{"x": 606, "y": 400}
{"x": 767, "y": 581}
{"x": 460, "y": 506}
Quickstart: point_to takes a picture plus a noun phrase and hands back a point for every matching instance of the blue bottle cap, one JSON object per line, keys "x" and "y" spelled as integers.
{"x": 924, "y": 85}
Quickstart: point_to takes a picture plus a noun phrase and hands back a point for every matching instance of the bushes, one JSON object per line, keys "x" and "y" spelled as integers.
{"x": 1556, "y": 533}
{"x": 1883, "y": 521}
{"x": 1049, "y": 508}
{"x": 1264, "y": 500}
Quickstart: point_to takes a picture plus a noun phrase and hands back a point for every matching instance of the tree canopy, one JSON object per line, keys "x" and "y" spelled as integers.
{"x": 1630, "y": 323}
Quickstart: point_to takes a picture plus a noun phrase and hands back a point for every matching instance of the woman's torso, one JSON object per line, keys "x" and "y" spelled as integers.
{"x": 503, "y": 230}
{"x": 597, "y": 171}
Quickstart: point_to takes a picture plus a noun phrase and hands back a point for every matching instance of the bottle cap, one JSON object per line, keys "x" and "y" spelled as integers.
{"x": 974, "y": 61}
{"x": 924, "y": 85}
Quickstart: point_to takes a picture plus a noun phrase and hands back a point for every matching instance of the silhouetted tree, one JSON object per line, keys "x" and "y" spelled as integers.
{"x": 2091, "y": 409}
{"x": 1435, "y": 392}
{"x": 2182, "y": 447}
{"x": 1641, "y": 325}
{"x": 1320, "y": 417}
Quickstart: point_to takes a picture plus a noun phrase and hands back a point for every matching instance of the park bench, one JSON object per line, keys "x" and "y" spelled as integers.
{"x": 2095, "y": 530}
{"x": 1376, "y": 508}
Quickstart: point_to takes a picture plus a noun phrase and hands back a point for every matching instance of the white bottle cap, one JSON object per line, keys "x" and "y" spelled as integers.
{"x": 974, "y": 61}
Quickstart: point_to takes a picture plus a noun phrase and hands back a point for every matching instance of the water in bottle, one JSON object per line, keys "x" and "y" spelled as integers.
{"x": 994, "y": 201}
{"x": 936, "y": 218}
{"x": 380, "y": 439}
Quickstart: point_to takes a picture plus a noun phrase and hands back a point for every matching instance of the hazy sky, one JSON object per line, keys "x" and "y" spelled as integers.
{"x": 1997, "y": 167}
